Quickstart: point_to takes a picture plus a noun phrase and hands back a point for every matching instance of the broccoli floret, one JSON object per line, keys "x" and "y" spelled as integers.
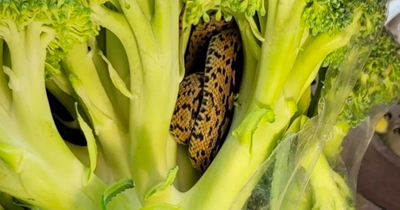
{"x": 34, "y": 159}
{"x": 377, "y": 84}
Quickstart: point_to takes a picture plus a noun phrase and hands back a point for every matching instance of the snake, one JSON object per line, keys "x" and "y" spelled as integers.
{"x": 206, "y": 96}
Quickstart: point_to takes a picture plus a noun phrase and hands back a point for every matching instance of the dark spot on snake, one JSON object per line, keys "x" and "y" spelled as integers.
{"x": 217, "y": 55}
{"x": 203, "y": 153}
{"x": 226, "y": 80}
{"x": 218, "y": 112}
{"x": 227, "y": 62}
{"x": 226, "y": 47}
{"x": 179, "y": 127}
{"x": 208, "y": 118}
{"x": 213, "y": 75}
{"x": 186, "y": 106}
{"x": 220, "y": 89}
{"x": 206, "y": 79}
{"x": 198, "y": 136}
{"x": 216, "y": 85}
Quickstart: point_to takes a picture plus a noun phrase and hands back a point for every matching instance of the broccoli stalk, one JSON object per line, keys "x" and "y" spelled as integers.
{"x": 149, "y": 33}
{"x": 37, "y": 33}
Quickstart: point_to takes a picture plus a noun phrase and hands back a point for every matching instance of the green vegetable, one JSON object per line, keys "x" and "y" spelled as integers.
{"x": 378, "y": 83}
{"x": 36, "y": 165}
{"x": 116, "y": 67}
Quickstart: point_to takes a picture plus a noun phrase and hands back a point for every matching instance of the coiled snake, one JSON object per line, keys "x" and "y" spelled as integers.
{"x": 206, "y": 95}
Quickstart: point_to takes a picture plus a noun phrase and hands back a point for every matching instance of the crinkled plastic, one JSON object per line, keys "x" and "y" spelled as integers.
{"x": 299, "y": 174}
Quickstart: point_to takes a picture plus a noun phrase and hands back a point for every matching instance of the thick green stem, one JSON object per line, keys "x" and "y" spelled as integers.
{"x": 309, "y": 60}
{"x": 117, "y": 55}
{"x": 152, "y": 47}
{"x": 283, "y": 37}
{"x": 112, "y": 135}
{"x": 333, "y": 146}
{"x": 31, "y": 132}
{"x": 329, "y": 189}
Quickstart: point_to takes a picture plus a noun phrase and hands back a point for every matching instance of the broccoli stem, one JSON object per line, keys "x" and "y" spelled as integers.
{"x": 328, "y": 190}
{"x": 284, "y": 34}
{"x": 309, "y": 60}
{"x": 112, "y": 135}
{"x": 29, "y": 122}
{"x": 333, "y": 146}
{"x": 116, "y": 54}
{"x": 151, "y": 46}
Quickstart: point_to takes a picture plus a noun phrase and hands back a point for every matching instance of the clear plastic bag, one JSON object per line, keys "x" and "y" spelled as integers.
{"x": 315, "y": 165}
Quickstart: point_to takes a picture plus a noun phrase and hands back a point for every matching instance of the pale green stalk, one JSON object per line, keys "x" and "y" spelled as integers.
{"x": 28, "y": 130}
{"x": 283, "y": 36}
{"x": 116, "y": 54}
{"x": 314, "y": 51}
{"x": 152, "y": 47}
{"x": 113, "y": 135}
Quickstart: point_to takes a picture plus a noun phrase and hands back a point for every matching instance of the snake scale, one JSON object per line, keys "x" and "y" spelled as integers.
{"x": 205, "y": 102}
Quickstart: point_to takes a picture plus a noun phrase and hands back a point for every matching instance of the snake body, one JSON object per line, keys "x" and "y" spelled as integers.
{"x": 205, "y": 100}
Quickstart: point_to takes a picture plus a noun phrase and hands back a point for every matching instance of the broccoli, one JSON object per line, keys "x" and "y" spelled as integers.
{"x": 378, "y": 83}
{"x": 373, "y": 83}
{"x": 34, "y": 158}
{"x": 116, "y": 65}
